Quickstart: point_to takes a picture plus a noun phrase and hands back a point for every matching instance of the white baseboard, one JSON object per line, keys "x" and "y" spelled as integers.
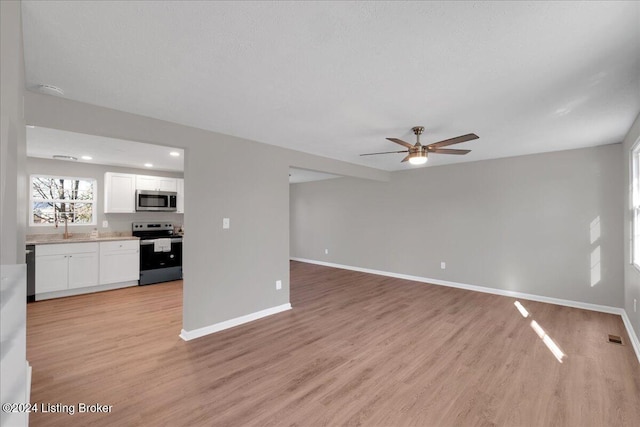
{"x": 217, "y": 327}
{"x": 531, "y": 297}
{"x": 632, "y": 336}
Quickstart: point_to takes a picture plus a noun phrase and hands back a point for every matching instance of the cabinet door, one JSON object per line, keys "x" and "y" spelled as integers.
{"x": 156, "y": 183}
{"x": 83, "y": 270}
{"x": 51, "y": 273}
{"x": 180, "y": 197}
{"x": 119, "y": 262}
{"x": 168, "y": 184}
{"x": 119, "y": 194}
{"x": 144, "y": 182}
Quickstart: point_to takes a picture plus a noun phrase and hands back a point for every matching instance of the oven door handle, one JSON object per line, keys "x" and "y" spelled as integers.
{"x": 151, "y": 241}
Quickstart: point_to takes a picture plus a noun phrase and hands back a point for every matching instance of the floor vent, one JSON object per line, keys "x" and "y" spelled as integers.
{"x": 615, "y": 339}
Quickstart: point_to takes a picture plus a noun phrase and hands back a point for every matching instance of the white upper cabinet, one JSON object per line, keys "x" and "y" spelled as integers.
{"x": 119, "y": 192}
{"x": 180, "y": 198}
{"x": 156, "y": 183}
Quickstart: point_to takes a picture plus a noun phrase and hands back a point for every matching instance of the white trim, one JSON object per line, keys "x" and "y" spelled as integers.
{"x": 93, "y": 201}
{"x": 27, "y": 397}
{"x": 635, "y": 343}
{"x": 503, "y": 292}
{"x": 217, "y": 327}
{"x": 568, "y": 303}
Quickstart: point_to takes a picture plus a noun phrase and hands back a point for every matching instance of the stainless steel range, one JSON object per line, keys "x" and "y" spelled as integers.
{"x": 160, "y": 252}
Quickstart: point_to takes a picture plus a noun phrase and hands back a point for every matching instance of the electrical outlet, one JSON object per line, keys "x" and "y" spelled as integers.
{"x": 105, "y": 224}
{"x": 278, "y": 284}
{"x": 226, "y": 223}
{"x": 326, "y": 251}
{"x": 443, "y": 265}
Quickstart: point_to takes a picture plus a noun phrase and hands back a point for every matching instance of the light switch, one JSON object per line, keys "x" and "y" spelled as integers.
{"x": 105, "y": 224}
{"x": 443, "y": 265}
{"x": 278, "y": 284}
{"x": 225, "y": 223}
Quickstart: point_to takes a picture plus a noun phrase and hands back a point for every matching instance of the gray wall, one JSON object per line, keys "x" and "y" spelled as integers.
{"x": 118, "y": 222}
{"x": 227, "y": 273}
{"x": 12, "y": 137}
{"x": 13, "y": 363}
{"x": 520, "y": 224}
{"x": 631, "y": 274}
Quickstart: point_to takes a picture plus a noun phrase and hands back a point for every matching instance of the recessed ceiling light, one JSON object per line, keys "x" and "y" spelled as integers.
{"x": 31, "y": 126}
{"x": 148, "y": 165}
{"x": 174, "y": 154}
{"x": 87, "y": 158}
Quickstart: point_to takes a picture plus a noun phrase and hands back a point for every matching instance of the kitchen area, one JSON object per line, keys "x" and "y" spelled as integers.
{"x": 103, "y": 214}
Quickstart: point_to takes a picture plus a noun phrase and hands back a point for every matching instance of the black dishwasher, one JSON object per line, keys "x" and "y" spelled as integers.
{"x": 31, "y": 272}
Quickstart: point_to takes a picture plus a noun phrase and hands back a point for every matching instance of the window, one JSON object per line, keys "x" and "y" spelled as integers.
{"x": 635, "y": 204}
{"x": 55, "y": 198}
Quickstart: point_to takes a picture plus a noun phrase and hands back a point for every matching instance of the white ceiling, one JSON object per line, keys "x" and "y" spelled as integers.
{"x": 337, "y": 78}
{"x": 45, "y": 143}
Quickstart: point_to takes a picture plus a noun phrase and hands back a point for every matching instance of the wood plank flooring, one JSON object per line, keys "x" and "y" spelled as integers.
{"x": 357, "y": 349}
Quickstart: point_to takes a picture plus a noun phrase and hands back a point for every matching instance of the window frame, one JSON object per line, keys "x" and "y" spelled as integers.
{"x": 634, "y": 205}
{"x": 93, "y": 201}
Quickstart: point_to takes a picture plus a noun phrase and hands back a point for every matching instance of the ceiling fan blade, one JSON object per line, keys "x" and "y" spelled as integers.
{"x": 386, "y": 152}
{"x": 406, "y": 158}
{"x": 401, "y": 142}
{"x": 448, "y": 151}
{"x": 456, "y": 140}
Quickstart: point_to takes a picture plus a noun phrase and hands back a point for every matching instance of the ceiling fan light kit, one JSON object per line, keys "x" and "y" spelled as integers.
{"x": 418, "y": 158}
{"x": 418, "y": 153}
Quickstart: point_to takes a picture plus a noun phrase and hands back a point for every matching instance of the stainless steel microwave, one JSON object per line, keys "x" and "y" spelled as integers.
{"x": 163, "y": 201}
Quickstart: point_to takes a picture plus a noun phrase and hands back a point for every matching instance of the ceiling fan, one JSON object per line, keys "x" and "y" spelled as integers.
{"x": 418, "y": 152}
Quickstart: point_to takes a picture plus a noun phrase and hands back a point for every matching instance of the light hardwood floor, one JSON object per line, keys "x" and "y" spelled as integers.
{"x": 357, "y": 349}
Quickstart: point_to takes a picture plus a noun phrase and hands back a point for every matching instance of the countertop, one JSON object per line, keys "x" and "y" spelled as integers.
{"x": 50, "y": 239}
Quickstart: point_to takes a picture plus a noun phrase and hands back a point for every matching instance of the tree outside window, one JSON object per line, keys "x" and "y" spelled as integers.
{"x": 55, "y": 199}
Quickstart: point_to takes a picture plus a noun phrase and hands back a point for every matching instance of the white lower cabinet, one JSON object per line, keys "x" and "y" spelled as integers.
{"x": 74, "y": 268}
{"x": 66, "y": 266}
{"x": 52, "y": 273}
{"x": 119, "y": 261}
{"x": 83, "y": 269}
